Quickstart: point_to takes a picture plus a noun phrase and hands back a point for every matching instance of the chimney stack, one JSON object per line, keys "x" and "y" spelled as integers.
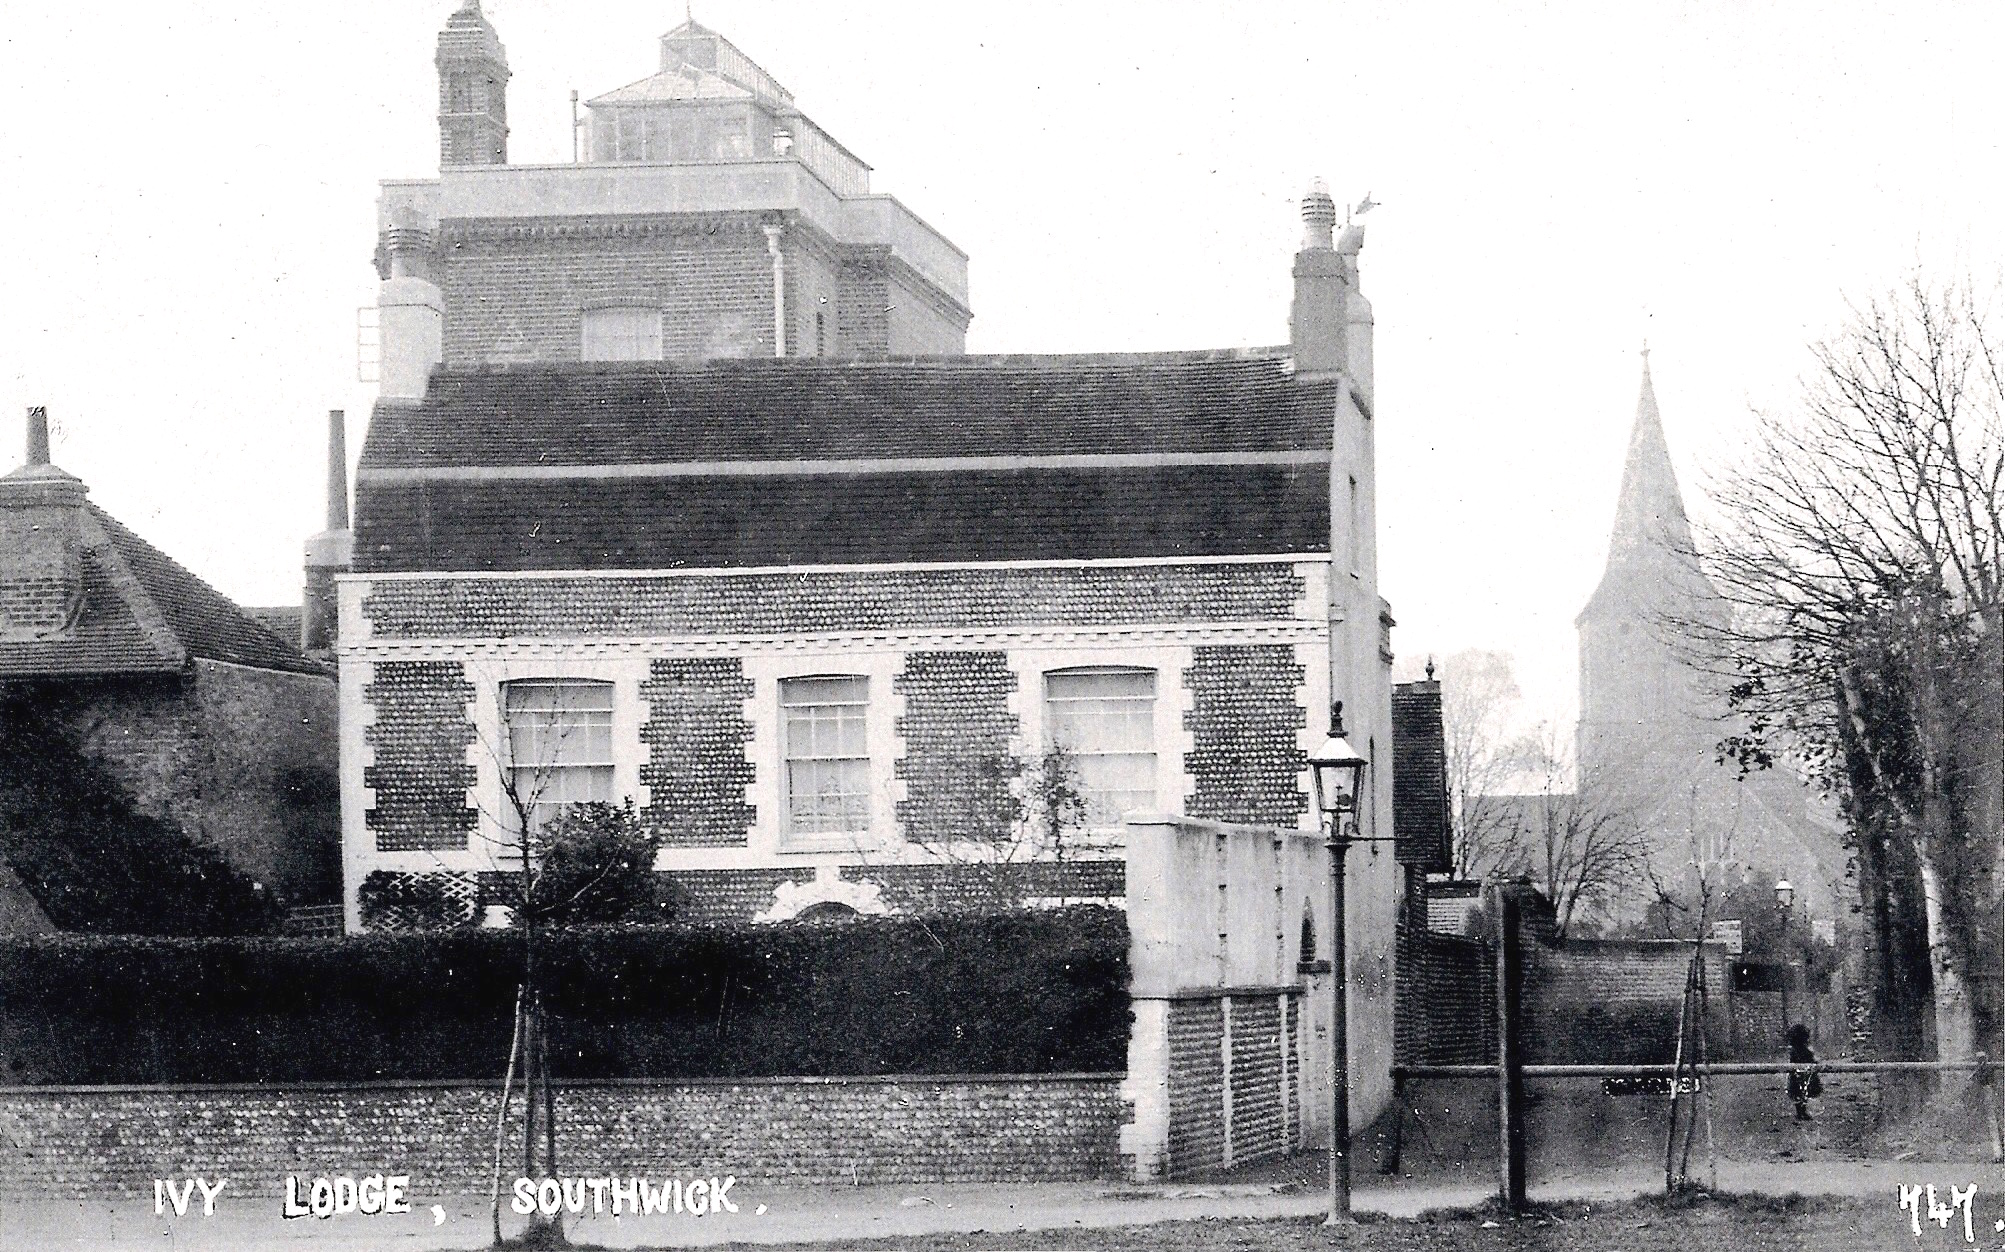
{"x": 38, "y": 435}
{"x": 330, "y": 552}
{"x": 41, "y": 543}
{"x": 1359, "y": 328}
{"x": 337, "y": 470}
{"x": 1321, "y": 312}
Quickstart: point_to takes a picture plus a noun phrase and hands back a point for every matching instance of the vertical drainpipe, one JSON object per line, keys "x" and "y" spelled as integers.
{"x": 773, "y": 235}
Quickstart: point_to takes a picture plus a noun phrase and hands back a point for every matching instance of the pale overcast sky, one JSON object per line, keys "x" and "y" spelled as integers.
{"x": 189, "y": 191}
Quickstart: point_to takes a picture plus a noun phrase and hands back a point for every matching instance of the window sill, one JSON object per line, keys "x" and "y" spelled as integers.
{"x": 854, "y": 841}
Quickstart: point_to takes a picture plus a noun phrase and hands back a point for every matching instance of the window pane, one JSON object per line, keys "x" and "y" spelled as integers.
{"x": 1106, "y": 717}
{"x": 560, "y": 743}
{"x": 828, "y": 795}
{"x": 656, "y": 130}
{"x": 1092, "y": 683}
{"x": 807, "y": 691}
{"x": 827, "y": 753}
{"x": 559, "y": 694}
{"x": 622, "y": 334}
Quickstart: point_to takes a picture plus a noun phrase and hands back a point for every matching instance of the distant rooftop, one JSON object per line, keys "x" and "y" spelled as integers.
{"x": 144, "y": 613}
{"x": 711, "y": 102}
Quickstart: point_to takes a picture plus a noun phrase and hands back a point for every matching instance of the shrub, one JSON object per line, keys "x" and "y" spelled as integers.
{"x": 1038, "y": 991}
{"x": 597, "y": 866}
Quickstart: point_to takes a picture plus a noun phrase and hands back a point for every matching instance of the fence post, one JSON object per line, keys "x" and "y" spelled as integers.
{"x": 1510, "y": 1055}
{"x": 1985, "y": 1078}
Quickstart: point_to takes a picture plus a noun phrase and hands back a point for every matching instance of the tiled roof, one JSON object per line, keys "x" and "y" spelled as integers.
{"x": 283, "y": 620}
{"x": 143, "y": 613}
{"x": 822, "y": 410}
{"x": 1419, "y": 777}
{"x": 639, "y": 523}
{"x": 737, "y": 463}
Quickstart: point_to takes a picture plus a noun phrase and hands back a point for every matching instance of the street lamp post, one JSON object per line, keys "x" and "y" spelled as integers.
{"x": 1337, "y": 771}
{"x": 1785, "y": 896}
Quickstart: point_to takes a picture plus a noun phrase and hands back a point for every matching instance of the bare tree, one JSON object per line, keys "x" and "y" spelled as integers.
{"x": 1859, "y": 551}
{"x": 571, "y": 861}
{"x": 1009, "y": 815}
{"x": 1479, "y": 707}
{"x": 1572, "y": 837}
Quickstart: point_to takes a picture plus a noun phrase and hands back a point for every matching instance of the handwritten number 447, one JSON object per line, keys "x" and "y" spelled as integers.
{"x": 1937, "y": 1212}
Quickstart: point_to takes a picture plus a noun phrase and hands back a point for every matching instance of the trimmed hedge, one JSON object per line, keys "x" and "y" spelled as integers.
{"x": 1038, "y": 991}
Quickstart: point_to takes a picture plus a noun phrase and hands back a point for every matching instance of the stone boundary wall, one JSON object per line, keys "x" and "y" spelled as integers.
{"x": 112, "y": 1142}
{"x": 1616, "y": 1000}
{"x": 1234, "y": 1086}
{"x": 1223, "y": 1065}
{"x": 1445, "y": 1007}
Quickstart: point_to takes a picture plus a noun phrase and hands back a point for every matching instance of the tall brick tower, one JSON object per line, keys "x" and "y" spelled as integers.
{"x": 707, "y": 217}
{"x": 473, "y": 91}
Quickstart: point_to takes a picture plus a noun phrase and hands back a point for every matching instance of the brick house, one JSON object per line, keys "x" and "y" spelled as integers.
{"x": 203, "y": 715}
{"x": 795, "y": 596}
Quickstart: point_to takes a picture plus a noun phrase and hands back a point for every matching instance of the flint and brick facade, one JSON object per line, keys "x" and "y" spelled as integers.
{"x": 944, "y": 534}
{"x": 695, "y": 660}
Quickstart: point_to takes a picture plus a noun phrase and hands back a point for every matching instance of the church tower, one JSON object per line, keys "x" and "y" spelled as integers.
{"x": 1650, "y": 721}
{"x": 1639, "y": 700}
{"x": 473, "y": 91}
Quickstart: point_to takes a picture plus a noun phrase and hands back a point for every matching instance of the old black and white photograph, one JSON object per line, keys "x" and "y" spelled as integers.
{"x": 1222, "y": 624}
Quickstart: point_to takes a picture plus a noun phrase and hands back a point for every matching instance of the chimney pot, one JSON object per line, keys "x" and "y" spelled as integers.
{"x": 1319, "y": 216}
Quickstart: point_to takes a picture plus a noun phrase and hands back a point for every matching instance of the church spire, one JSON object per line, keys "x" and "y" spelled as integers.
{"x": 1650, "y": 521}
{"x": 1650, "y": 546}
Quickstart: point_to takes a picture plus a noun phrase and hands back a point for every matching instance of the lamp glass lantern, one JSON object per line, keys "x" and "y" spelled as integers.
{"x": 1337, "y": 770}
{"x": 1785, "y": 894}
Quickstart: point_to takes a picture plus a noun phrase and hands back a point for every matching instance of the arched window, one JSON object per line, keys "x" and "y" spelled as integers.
{"x": 560, "y": 744}
{"x": 1106, "y": 717}
{"x": 622, "y": 332}
{"x": 827, "y": 753}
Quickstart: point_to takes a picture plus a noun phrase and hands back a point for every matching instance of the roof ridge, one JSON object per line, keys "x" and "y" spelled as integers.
{"x": 205, "y": 630}
{"x": 131, "y": 589}
{"x": 957, "y": 362}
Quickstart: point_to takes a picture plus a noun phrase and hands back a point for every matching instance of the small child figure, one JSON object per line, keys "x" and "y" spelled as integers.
{"x": 1804, "y": 1085}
